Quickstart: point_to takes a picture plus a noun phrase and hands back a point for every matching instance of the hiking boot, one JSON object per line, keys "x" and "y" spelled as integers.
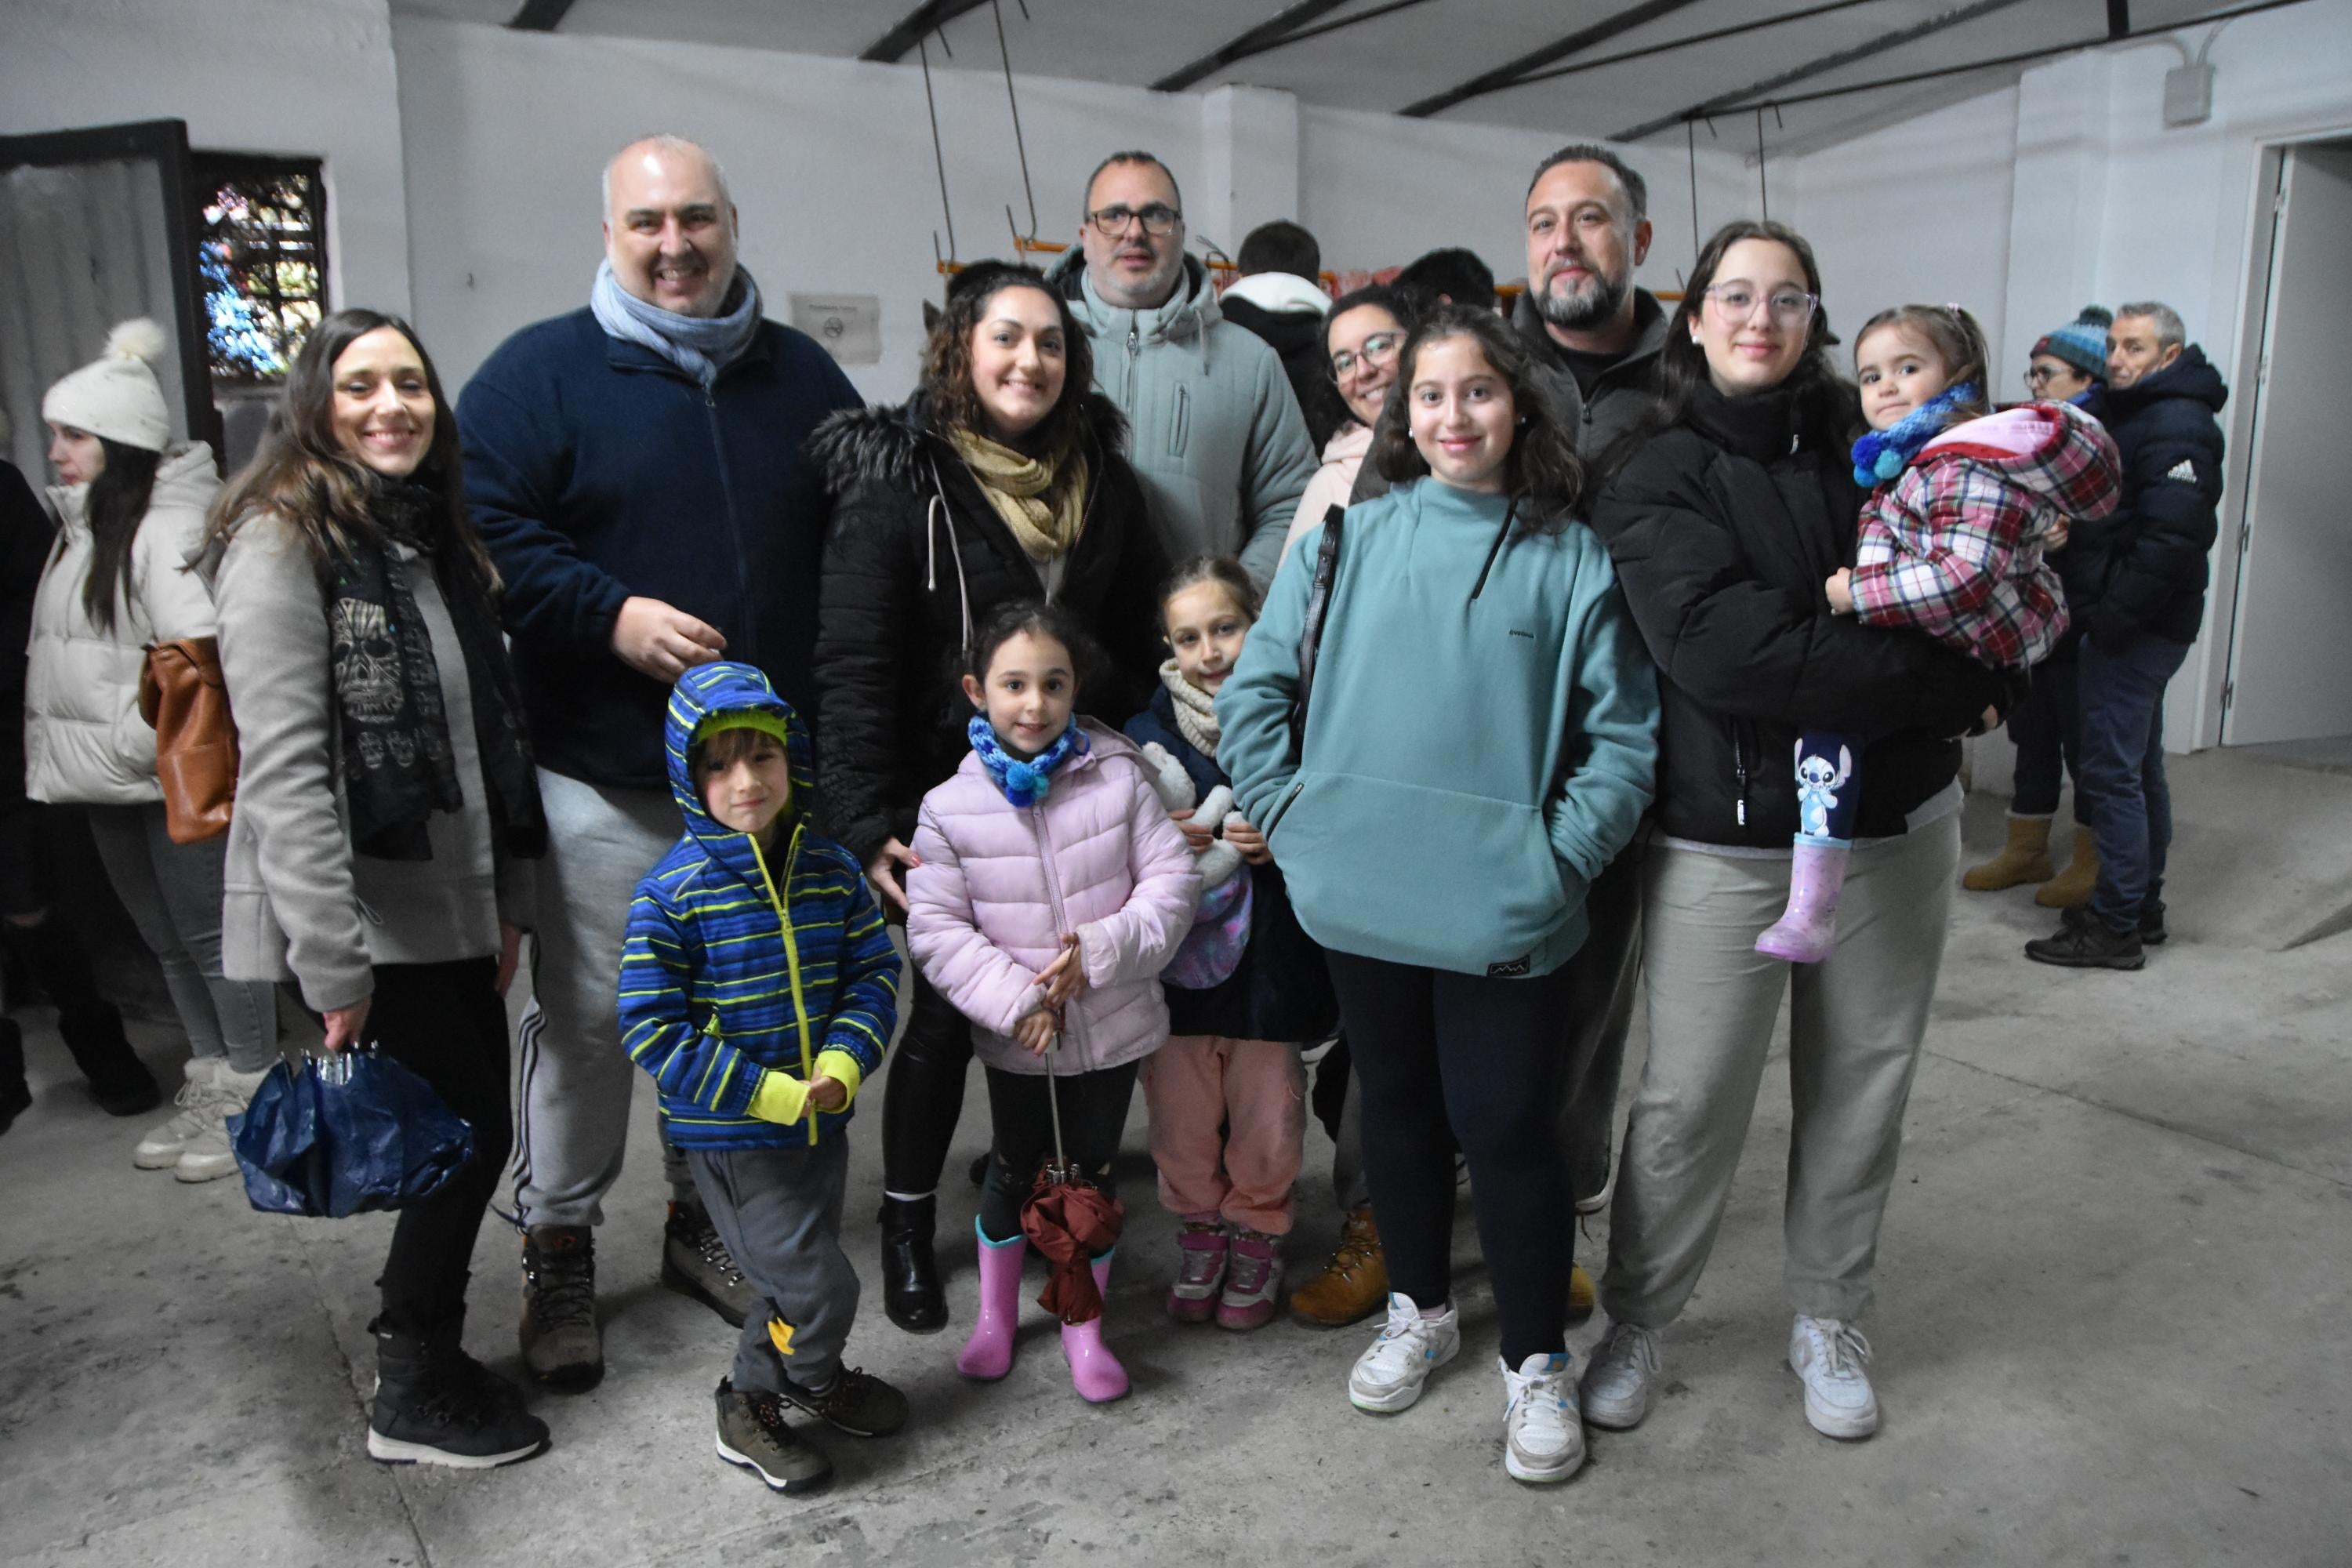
{"x": 1389, "y": 1376}
{"x": 16, "y": 1094}
{"x": 1829, "y": 1357}
{"x": 1621, "y": 1379}
{"x": 560, "y": 1346}
{"x": 2089, "y": 944}
{"x": 161, "y": 1148}
{"x": 1353, "y": 1285}
{"x": 2073, "y": 885}
{"x": 2151, "y": 921}
{"x": 855, "y": 1401}
{"x": 206, "y": 1156}
{"x": 1543, "y": 1431}
{"x": 697, "y": 1265}
{"x": 911, "y": 1296}
{"x": 753, "y": 1434}
{"x": 2024, "y": 858}
{"x": 1203, "y": 1252}
{"x": 435, "y": 1404}
{"x": 1250, "y": 1281}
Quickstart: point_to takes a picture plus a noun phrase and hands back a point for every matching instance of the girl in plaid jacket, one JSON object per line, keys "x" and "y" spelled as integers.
{"x": 1964, "y": 505}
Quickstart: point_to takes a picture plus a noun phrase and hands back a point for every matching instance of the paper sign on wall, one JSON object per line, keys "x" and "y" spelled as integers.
{"x": 848, "y": 325}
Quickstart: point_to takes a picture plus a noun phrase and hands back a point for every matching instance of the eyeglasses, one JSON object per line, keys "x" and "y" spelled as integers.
{"x": 1158, "y": 218}
{"x": 1377, "y": 350}
{"x": 2035, "y": 375}
{"x": 1736, "y": 302}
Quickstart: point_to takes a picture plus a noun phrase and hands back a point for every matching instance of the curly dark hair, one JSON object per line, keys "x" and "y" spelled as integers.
{"x": 947, "y": 382}
{"x": 1542, "y": 472}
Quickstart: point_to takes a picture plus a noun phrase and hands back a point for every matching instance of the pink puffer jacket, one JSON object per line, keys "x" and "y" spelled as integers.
{"x": 998, "y": 886}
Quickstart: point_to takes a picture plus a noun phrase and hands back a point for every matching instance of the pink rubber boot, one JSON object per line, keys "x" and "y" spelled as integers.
{"x": 1096, "y": 1373}
{"x": 988, "y": 1353}
{"x": 1807, "y": 930}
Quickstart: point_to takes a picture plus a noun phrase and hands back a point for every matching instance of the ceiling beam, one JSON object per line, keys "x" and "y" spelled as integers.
{"x": 931, "y": 15}
{"x": 1508, "y": 73}
{"x": 1724, "y": 101}
{"x": 539, "y": 15}
{"x": 1265, "y": 35}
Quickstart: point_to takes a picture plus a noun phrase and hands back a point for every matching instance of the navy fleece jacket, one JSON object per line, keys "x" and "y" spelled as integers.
{"x": 597, "y": 470}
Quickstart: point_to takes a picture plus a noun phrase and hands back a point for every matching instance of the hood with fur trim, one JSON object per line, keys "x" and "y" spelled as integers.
{"x": 889, "y": 444}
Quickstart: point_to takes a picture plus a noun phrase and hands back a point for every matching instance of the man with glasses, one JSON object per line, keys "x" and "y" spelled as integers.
{"x": 1218, "y": 440}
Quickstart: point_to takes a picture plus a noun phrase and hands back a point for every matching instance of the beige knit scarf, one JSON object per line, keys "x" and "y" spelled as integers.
{"x": 1196, "y": 710}
{"x": 1044, "y": 515}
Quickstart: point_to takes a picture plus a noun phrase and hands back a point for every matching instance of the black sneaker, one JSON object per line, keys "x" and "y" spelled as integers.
{"x": 697, "y": 1265}
{"x": 436, "y": 1406}
{"x": 753, "y": 1434}
{"x": 2089, "y": 944}
{"x": 2151, "y": 921}
{"x": 560, "y": 1346}
{"x": 858, "y": 1404}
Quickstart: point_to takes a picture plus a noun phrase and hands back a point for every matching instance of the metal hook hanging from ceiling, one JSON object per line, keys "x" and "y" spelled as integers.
{"x": 939, "y": 152}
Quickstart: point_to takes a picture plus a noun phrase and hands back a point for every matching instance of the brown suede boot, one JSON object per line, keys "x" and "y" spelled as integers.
{"x": 1353, "y": 1285}
{"x": 2025, "y": 859}
{"x": 1580, "y": 1294}
{"x": 2071, "y": 888}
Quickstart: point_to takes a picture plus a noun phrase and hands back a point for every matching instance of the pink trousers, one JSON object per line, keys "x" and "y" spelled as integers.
{"x": 1258, "y": 1090}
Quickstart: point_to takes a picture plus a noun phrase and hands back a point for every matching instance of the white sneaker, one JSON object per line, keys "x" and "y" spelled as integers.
{"x": 207, "y": 1155}
{"x": 1829, "y": 1355}
{"x": 160, "y": 1149}
{"x": 1388, "y": 1377}
{"x": 1622, "y": 1378}
{"x": 1543, "y": 1431}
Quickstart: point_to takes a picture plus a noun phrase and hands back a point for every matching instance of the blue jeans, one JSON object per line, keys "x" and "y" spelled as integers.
{"x": 2122, "y": 697}
{"x": 2048, "y": 732}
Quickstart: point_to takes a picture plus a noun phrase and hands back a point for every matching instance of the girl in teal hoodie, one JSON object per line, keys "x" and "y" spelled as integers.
{"x": 1480, "y": 696}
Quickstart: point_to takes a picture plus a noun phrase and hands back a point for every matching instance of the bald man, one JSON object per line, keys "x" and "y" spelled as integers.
{"x": 635, "y": 468}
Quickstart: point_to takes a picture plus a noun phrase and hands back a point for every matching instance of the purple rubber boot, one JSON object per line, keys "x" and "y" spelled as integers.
{"x": 1807, "y": 930}
{"x": 1096, "y": 1373}
{"x": 988, "y": 1353}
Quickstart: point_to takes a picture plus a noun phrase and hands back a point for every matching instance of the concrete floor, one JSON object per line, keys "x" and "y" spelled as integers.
{"x": 2112, "y": 1289}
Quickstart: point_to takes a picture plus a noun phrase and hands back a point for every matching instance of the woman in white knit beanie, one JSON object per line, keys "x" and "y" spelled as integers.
{"x": 130, "y": 511}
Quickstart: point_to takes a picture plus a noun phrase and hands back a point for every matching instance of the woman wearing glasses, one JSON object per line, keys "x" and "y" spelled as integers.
{"x": 1360, "y": 338}
{"x": 1725, "y": 517}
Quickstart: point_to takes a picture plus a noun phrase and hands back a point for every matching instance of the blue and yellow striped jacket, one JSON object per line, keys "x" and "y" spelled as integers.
{"x": 723, "y": 983}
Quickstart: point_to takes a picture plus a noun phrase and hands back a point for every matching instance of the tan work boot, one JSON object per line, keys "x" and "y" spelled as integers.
{"x": 2071, "y": 888}
{"x": 1353, "y": 1285}
{"x": 2025, "y": 859}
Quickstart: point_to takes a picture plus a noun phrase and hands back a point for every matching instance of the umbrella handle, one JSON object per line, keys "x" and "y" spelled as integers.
{"x": 1053, "y": 1101}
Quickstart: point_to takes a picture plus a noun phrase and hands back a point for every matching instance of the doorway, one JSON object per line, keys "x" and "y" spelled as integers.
{"x": 2289, "y": 684}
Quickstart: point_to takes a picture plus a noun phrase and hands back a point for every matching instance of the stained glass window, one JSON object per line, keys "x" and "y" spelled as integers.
{"x": 261, "y": 259}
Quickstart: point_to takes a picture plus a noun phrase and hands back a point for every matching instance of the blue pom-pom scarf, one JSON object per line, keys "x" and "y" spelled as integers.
{"x": 1024, "y": 783}
{"x": 1883, "y": 455}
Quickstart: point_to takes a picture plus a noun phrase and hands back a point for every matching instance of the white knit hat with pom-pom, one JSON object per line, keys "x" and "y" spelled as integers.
{"x": 117, "y": 395}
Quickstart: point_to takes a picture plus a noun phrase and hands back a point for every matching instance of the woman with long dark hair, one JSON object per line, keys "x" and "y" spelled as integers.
{"x": 130, "y": 503}
{"x": 1726, "y": 514}
{"x": 1480, "y": 730}
{"x": 384, "y": 793}
{"x": 1000, "y": 479}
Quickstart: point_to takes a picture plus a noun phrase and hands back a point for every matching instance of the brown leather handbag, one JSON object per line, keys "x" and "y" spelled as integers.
{"x": 183, "y": 696}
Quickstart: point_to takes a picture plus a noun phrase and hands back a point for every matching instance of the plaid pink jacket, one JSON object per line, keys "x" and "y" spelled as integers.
{"x": 1954, "y": 546}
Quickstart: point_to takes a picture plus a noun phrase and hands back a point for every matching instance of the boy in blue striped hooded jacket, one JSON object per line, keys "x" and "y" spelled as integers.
{"x": 759, "y": 988}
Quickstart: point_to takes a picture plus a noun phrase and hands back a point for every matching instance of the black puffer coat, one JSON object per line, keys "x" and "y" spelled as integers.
{"x": 916, "y": 560}
{"x": 2142, "y": 570}
{"x": 1724, "y": 528}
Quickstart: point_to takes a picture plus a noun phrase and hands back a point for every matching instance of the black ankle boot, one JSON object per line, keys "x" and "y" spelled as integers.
{"x": 435, "y": 1404}
{"x": 910, "y": 1274}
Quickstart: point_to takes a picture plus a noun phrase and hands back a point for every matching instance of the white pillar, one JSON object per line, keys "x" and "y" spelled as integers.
{"x": 1249, "y": 143}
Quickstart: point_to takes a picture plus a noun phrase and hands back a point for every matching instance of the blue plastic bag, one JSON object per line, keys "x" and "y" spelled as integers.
{"x": 349, "y": 1134}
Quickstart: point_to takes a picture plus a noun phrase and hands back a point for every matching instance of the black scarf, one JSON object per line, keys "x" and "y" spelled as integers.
{"x": 398, "y": 767}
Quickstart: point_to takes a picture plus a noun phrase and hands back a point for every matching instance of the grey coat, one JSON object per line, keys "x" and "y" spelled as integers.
{"x": 298, "y": 904}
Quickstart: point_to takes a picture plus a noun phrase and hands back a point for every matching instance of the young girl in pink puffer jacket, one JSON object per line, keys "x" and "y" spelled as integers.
{"x": 1049, "y": 890}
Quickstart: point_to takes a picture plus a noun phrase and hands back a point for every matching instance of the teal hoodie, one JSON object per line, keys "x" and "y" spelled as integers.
{"x": 1481, "y": 739}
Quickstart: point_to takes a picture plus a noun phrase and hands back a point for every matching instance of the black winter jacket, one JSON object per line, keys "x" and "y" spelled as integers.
{"x": 1627, "y": 391}
{"x": 2142, "y": 570}
{"x": 1296, "y": 339}
{"x": 916, "y": 560}
{"x": 1724, "y": 528}
{"x": 26, "y": 535}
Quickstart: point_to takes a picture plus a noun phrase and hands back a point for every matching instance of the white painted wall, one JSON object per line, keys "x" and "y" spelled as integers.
{"x": 309, "y": 77}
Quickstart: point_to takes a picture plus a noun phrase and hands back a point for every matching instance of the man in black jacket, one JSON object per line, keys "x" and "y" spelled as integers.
{"x": 2135, "y": 583}
{"x": 1279, "y": 297}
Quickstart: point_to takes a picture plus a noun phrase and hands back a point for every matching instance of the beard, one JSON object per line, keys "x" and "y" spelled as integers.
{"x": 1599, "y": 301}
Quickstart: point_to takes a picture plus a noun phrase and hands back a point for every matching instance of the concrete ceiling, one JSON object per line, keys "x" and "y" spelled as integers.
{"x": 1386, "y": 56}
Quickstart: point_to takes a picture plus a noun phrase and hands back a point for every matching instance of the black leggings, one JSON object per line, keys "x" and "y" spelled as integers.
{"x": 446, "y": 1023}
{"x": 922, "y": 1097}
{"x": 1445, "y": 1059}
{"x": 1094, "y": 1115}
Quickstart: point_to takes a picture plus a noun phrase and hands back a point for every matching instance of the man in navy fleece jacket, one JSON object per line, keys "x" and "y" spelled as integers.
{"x": 636, "y": 468}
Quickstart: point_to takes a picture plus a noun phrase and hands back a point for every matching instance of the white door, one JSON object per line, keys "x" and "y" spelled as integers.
{"x": 2290, "y": 654}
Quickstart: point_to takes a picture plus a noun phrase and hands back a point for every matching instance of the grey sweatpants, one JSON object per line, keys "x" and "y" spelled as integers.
{"x": 1855, "y": 1024}
{"x": 779, "y": 1212}
{"x": 571, "y": 1103}
{"x": 173, "y": 893}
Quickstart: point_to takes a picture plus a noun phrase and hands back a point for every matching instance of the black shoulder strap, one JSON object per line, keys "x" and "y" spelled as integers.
{"x": 1310, "y": 636}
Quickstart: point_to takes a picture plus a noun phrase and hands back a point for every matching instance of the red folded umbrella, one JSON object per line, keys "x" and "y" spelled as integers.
{"x": 1071, "y": 1221}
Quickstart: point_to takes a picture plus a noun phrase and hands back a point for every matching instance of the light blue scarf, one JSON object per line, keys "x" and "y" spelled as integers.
{"x": 1024, "y": 783}
{"x": 1881, "y": 455}
{"x": 701, "y": 346}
